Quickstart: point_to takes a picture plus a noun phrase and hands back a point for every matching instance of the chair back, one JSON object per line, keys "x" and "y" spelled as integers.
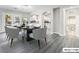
{"x": 39, "y": 33}
{"x": 13, "y": 32}
{"x": 6, "y": 30}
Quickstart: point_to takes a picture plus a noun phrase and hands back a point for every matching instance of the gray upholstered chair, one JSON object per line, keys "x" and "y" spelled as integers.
{"x": 13, "y": 33}
{"x": 39, "y": 34}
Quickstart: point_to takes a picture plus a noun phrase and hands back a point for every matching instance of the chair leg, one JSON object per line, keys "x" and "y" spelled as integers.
{"x": 6, "y": 37}
{"x": 23, "y": 38}
{"x": 11, "y": 42}
{"x": 45, "y": 41}
{"x": 39, "y": 43}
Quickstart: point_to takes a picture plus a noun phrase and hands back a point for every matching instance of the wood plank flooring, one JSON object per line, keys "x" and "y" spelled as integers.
{"x": 55, "y": 44}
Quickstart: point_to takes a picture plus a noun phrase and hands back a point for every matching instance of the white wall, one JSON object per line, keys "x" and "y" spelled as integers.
{"x": 58, "y": 21}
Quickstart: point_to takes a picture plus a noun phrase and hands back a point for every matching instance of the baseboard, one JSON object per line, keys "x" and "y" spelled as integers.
{"x": 59, "y": 34}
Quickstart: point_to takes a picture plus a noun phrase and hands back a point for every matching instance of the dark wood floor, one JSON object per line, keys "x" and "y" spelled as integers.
{"x": 54, "y": 45}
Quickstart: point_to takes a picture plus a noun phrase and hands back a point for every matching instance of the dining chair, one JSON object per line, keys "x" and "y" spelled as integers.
{"x": 39, "y": 34}
{"x": 12, "y": 33}
{"x": 6, "y": 31}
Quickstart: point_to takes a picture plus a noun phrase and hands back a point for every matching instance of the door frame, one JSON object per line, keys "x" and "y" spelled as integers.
{"x": 64, "y": 16}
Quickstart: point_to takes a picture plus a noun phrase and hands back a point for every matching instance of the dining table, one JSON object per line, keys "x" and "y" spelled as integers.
{"x": 29, "y": 31}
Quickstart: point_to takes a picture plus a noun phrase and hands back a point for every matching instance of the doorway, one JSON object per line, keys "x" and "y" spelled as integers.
{"x": 72, "y": 27}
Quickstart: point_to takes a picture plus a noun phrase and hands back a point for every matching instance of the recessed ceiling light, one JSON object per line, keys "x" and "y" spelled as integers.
{"x": 22, "y": 6}
{"x": 25, "y": 5}
{"x": 28, "y": 6}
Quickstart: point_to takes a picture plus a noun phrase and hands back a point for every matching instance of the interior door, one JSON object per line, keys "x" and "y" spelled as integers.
{"x": 70, "y": 25}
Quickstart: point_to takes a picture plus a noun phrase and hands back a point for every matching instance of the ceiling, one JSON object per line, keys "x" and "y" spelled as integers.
{"x": 28, "y": 8}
